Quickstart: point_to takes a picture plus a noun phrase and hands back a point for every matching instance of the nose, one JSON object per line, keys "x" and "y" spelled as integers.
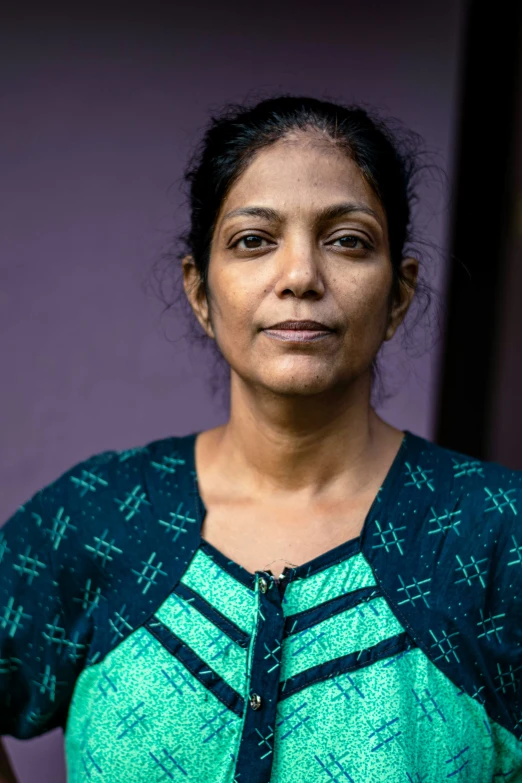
{"x": 298, "y": 270}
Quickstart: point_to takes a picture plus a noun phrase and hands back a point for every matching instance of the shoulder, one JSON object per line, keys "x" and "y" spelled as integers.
{"x": 83, "y": 562}
{"x": 461, "y": 521}
{"x": 461, "y": 493}
{"x": 115, "y": 484}
{"x": 462, "y": 468}
{"x": 448, "y": 516}
{"x": 445, "y": 544}
{"x": 101, "y": 515}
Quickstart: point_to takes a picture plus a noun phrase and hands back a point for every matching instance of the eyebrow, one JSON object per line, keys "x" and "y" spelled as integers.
{"x": 328, "y": 213}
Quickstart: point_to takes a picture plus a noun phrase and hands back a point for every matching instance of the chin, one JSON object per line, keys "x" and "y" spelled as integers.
{"x": 297, "y": 386}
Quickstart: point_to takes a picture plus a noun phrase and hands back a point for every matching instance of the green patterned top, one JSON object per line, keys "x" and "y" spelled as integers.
{"x": 395, "y": 657}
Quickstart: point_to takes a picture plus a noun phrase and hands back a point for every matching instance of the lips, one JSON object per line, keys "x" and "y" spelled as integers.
{"x": 298, "y": 331}
{"x": 300, "y": 326}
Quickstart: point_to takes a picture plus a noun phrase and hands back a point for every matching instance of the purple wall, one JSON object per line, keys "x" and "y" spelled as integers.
{"x": 99, "y": 114}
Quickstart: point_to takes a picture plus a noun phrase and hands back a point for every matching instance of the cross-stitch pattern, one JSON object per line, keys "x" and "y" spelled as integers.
{"x": 395, "y": 657}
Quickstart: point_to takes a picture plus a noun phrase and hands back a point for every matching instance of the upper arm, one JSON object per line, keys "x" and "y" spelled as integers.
{"x": 44, "y": 628}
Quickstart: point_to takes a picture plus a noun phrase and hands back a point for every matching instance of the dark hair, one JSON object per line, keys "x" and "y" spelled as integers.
{"x": 389, "y": 161}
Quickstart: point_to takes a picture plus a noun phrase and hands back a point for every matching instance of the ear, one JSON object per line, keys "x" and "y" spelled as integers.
{"x": 410, "y": 270}
{"x": 196, "y": 295}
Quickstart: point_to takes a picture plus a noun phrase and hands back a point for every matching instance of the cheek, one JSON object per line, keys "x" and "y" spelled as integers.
{"x": 233, "y": 310}
{"x": 366, "y": 302}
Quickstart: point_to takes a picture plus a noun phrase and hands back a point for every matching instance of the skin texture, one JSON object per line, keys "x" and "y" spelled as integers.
{"x": 302, "y": 443}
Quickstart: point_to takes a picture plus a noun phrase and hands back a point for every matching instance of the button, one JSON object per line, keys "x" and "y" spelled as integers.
{"x": 263, "y": 584}
{"x": 255, "y": 701}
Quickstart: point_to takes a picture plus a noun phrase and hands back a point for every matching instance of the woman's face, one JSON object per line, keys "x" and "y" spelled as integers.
{"x": 296, "y": 262}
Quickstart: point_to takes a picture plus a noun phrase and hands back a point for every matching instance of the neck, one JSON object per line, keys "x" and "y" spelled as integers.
{"x": 302, "y": 449}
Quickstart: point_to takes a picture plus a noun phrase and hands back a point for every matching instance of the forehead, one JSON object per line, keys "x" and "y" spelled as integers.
{"x": 300, "y": 176}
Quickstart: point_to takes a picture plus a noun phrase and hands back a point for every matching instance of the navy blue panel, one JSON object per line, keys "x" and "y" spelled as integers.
{"x": 255, "y": 755}
{"x": 196, "y": 666}
{"x": 156, "y": 534}
{"x": 302, "y": 620}
{"x": 211, "y": 613}
{"x": 346, "y": 663}
{"x": 236, "y": 570}
{"x": 445, "y": 546}
{"x": 103, "y": 546}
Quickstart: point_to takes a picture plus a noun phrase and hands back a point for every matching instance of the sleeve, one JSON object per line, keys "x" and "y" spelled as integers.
{"x": 45, "y": 631}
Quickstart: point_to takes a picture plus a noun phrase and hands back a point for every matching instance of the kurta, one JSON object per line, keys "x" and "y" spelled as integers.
{"x": 394, "y": 657}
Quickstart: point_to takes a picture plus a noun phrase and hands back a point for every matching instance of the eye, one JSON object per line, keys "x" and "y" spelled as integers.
{"x": 248, "y": 237}
{"x": 352, "y": 238}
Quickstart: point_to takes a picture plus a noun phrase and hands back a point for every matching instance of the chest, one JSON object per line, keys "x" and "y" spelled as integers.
{"x": 227, "y": 681}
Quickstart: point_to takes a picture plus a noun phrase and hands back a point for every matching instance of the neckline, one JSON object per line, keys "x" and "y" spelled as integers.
{"x": 335, "y": 554}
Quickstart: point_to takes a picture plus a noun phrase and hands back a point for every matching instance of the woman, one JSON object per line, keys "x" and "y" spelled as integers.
{"x": 305, "y": 593}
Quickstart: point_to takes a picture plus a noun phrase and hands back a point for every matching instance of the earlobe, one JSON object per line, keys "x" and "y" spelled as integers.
{"x": 390, "y": 331}
{"x": 201, "y": 311}
{"x": 195, "y": 295}
{"x": 410, "y": 268}
{"x": 209, "y": 330}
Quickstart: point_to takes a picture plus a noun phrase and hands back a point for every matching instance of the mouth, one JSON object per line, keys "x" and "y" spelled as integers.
{"x": 296, "y": 335}
{"x": 298, "y": 331}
